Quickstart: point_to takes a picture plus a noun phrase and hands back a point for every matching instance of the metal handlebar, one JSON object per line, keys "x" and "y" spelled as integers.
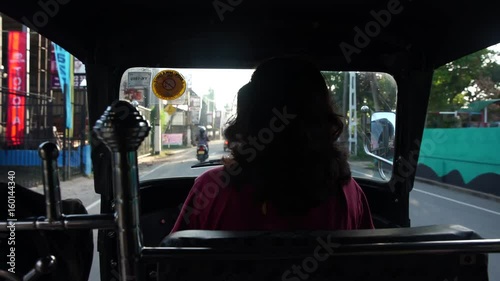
{"x": 42, "y": 266}
{"x": 122, "y": 129}
{"x": 53, "y": 205}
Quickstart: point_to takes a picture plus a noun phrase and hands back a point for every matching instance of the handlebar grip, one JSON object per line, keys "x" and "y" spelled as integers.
{"x": 43, "y": 266}
{"x": 49, "y": 152}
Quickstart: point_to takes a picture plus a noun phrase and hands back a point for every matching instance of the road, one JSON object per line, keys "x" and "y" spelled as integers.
{"x": 429, "y": 204}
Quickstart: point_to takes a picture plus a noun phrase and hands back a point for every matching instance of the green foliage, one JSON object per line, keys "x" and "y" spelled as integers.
{"x": 472, "y": 77}
{"x": 163, "y": 117}
{"x": 377, "y": 90}
{"x": 443, "y": 121}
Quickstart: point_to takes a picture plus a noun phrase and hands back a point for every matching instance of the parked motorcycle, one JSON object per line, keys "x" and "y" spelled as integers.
{"x": 202, "y": 153}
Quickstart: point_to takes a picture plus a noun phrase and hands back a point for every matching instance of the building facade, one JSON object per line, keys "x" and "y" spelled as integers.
{"x": 37, "y": 106}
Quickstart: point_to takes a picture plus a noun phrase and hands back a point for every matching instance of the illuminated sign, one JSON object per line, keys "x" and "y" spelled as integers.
{"x": 16, "y": 104}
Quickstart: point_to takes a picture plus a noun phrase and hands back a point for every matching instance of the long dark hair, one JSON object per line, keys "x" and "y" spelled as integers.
{"x": 286, "y": 131}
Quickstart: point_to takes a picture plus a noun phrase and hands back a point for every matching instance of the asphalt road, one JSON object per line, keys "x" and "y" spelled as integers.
{"x": 429, "y": 204}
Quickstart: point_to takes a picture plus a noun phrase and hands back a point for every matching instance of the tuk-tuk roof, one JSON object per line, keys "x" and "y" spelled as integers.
{"x": 241, "y": 33}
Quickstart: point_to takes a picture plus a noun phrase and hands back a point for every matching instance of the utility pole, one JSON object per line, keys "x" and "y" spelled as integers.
{"x": 345, "y": 135}
{"x": 188, "y": 121}
{"x": 353, "y": 134}
{"x": 157, "y": 126}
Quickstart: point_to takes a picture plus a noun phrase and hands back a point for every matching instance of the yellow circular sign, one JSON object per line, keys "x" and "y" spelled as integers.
{"x": 169, "y": 85}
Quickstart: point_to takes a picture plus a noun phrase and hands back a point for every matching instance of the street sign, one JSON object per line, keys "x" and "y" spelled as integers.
{"x": 169, "y": 85}
{"x": 139, "y": 79}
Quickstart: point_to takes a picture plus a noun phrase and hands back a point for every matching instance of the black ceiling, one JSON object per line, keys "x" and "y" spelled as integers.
{"x": 192, "y": 34}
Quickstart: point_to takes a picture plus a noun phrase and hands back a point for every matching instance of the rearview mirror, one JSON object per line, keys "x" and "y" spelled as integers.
{"x": 379, "y": 133}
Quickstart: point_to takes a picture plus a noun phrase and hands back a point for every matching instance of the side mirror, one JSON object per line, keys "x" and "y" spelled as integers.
{"x": 379, "y": 133}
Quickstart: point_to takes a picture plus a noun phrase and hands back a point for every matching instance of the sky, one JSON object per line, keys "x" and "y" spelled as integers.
{"x": 497, "y": 49}
{"x": 224, "y": 82}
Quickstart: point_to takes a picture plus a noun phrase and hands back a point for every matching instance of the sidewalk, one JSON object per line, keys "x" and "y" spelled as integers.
{"x": 149, "y": 160}
{"x": 80, "y": 187}
{"x": 81, "y": 184}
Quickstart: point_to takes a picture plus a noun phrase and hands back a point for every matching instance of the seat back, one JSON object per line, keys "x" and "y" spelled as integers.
{"x": 315, "y": 256}
{"x": 73, "y": 249}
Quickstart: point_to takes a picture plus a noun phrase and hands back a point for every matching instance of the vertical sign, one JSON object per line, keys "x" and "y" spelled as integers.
{"x": 55, "y": 83}
{"x": 64, "y": 67}
{"x": 16, "y": 100}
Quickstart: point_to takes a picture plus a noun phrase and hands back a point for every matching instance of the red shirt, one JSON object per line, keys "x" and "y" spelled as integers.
{"x": 212, "y": 204}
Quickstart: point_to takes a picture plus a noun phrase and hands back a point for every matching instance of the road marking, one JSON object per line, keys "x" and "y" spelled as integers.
{"x": 442, "y": 197}
{"x": 458, "y": 202}
{"x": 166, "y": 163}
{"x": 93, "y": 205}
{"x": 155, "y": 169}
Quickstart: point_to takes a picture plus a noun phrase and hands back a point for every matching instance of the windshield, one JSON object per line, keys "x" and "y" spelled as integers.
{"x": 208, "y": 103}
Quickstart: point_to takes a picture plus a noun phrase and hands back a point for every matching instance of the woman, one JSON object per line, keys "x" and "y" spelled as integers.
{"x": 287, "y": 171}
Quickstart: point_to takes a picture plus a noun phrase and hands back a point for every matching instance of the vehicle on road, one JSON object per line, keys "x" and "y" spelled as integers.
{"x": 202, "y": 153}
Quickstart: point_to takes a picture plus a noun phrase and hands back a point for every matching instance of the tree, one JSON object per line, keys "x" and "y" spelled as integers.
{"x": 472, "y": 77}
{"x": 377, "y": 90}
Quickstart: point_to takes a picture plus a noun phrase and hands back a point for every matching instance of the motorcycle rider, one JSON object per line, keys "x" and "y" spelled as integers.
{"x": 202, "y": 137}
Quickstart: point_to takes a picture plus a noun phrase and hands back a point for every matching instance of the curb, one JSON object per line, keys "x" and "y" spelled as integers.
{"x": 460, "y": 189}
{"x": 149, "y": 158}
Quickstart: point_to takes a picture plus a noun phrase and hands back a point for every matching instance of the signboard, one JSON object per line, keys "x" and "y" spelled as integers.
{"x": 135, "y": 95}
{"x": 79, "y": 67}
{"x": 195, "y": 103}
{"x": 195, "y": 109}
{"x": 168, "y": 85}
{"x": 64, "y": 63}
{"x": 79, "y": 71}
{"x": 16, "y": 101}
{"x": 80, "y": 80}
{"x": 171, "y": 139}
{"x": 139, "y": 79}
{"x": 53, "y": 69}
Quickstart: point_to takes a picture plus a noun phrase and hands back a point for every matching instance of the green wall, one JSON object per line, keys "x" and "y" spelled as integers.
{"x": 470, "y": 151}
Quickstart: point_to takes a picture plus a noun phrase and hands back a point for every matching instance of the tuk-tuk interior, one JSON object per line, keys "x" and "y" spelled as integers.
{"x": 406, "y": 39}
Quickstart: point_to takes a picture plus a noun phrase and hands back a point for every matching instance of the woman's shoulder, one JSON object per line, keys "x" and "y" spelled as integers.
{"x": 352, "y": 188}
{"x": 218, "y": 176}
{"x": 210, "y": 174}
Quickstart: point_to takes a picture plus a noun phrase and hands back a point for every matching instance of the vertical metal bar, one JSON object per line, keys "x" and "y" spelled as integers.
{"x": 122, "y": 128}
{"x": 49, "y": 152}
{"x": 127, "y": 208}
